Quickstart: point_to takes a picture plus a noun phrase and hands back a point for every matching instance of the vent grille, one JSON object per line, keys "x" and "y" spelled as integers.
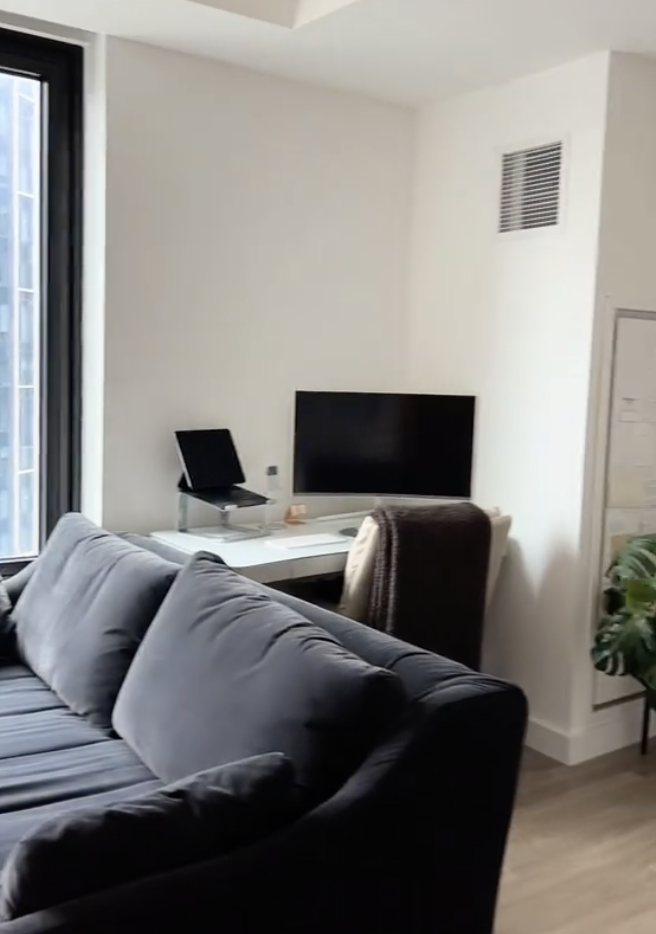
{"x": 530, "y": 188}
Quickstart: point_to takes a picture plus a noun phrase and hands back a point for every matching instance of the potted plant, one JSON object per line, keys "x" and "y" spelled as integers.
{"x": 625, "y": 642}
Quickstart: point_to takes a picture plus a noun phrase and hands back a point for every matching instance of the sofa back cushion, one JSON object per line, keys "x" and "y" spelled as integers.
{"x": 95, "y": 848}
{"x": 225, "y": 672}
{"x": 84, "y": 611}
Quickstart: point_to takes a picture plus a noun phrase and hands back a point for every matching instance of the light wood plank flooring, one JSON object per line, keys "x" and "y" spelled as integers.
{"x": 582, "y": 852}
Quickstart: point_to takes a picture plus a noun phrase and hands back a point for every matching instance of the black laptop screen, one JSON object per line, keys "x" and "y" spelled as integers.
{"x": 209, "y": 458}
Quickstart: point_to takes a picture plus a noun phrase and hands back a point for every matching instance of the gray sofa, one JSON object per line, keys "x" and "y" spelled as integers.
{"x": 411, "y": 840}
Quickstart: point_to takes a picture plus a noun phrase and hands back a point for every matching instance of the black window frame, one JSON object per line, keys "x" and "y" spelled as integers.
{"x": 60, "y": 67}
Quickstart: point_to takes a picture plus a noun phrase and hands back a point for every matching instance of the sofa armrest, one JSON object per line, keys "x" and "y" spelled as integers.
{"x": 413, "y": 842}
{"x": 14, "y": 586}
{"x": 16, "y": 583}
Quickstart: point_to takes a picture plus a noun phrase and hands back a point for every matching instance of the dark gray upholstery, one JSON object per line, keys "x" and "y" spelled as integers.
{"x": 157, "y": 548}
{"x": 17, "y": 582}
{"x": 6, "y": 603}
{"x": 95, "y": 848}
{"x": 52, "y": 760}
{"x": 225, "y": 673}
{"x": 417, "y": 668}
{"x": 7, "y": 635}
{"x": 413, "y": 841}
{"x": 84, "y": 610}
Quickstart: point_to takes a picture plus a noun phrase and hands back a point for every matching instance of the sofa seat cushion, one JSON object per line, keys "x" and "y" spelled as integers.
{"x": 225, "y": 673}
{"x": 84, "y": 611}
{"x": 53, "y": 760}
{"x": 94, "y": 848}
{"x": 22, "y": 692}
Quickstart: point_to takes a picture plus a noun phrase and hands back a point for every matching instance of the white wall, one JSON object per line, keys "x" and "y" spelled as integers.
{"x": 627, "y": 280}
{"x": 627, "y": 268}
{"x": 256, "y": 242}
{"x": 93, "y": 301}
{"x": 511, "y": 320}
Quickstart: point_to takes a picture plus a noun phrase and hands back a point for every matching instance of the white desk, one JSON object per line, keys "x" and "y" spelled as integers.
{"x": 261, "y": 559}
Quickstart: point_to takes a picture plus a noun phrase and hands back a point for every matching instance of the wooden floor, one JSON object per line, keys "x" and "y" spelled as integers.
{"x": 582, "y": 852}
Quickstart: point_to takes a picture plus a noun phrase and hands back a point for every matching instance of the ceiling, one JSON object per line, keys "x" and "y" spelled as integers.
{"x": 289, "y": 13}
{"x": 408, "y": 51}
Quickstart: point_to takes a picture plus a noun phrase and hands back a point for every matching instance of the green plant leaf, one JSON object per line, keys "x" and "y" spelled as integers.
{"x": 640, "y": 593}
{"x": 637, "y": 559}
{"x": 625, "y": 645}
{"x": 625, "y": 642}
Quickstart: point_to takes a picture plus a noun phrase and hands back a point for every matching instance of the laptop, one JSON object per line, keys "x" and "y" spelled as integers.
{"x": 212, "y": 469}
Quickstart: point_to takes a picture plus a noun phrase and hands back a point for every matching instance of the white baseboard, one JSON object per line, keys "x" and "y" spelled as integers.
{"x": 548, "y": 740}
{"x": 608, "y": 730}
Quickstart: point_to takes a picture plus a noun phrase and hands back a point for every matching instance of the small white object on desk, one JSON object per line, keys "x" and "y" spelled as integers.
{"x": 292, "y": 552}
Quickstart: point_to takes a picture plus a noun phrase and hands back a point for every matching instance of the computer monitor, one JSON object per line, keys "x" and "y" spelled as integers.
{"x": 209, "y": 459}
{"x": 383, "y": 444}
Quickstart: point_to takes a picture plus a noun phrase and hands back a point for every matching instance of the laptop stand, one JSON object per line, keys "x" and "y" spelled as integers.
{"x": 226, "y": 500}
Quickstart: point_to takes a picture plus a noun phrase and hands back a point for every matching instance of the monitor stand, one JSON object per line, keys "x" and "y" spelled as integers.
{"x": 226, "y": 532}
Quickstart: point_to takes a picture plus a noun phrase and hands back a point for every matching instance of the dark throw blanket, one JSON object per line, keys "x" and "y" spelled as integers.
{"x": 430, "y": 578}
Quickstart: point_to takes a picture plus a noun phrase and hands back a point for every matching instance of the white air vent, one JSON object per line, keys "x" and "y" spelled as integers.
{"x": 530, "y": 188}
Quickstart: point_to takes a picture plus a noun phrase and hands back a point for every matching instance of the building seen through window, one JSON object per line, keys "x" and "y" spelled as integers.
{"x": 20, "y": 155}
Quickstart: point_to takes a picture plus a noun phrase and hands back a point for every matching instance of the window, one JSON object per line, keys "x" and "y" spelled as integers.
{"x": 26, "y": 329}
{"x": 5, "y": 361}
{"x": 26, "y": 419}
{"x": 5, "y": 258}
{"x": 28, "y": 219}
{"x": 28, "y": 133}
{"x": 5, "y": 298}
{"x": 40, "y": 237}
{"x": 5, "y": 204}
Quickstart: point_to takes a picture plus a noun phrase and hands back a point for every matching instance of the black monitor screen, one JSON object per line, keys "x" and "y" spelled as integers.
{"x": 209, "y": 458}
{"x": 383, "y": 444}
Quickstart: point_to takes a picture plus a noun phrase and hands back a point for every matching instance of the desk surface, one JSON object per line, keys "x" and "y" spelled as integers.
{"x": 263, "y": 559}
